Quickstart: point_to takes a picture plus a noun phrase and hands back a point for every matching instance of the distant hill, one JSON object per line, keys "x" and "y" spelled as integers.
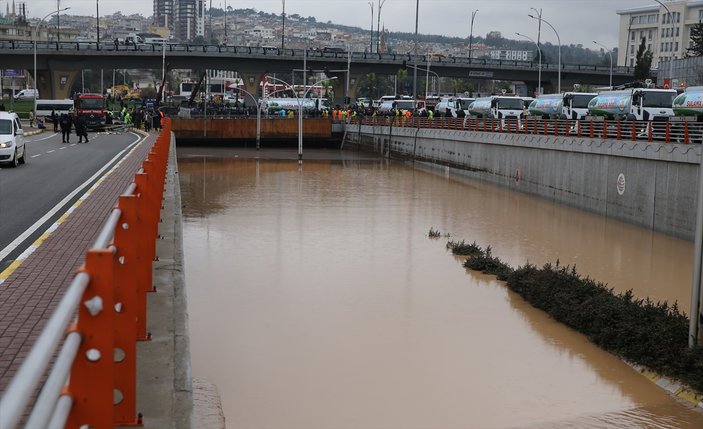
{"x": 571, "y": 54}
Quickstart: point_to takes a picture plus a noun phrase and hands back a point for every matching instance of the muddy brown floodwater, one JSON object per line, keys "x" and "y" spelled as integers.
{"x": 317, "y": 300}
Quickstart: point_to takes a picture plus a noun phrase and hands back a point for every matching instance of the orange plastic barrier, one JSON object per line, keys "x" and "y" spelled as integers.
{"x": 122, "y": 275}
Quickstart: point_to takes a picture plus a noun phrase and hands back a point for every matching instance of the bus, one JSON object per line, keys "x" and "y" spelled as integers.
{"x": 45, "y": 107}
{"x": 186, "y": 88}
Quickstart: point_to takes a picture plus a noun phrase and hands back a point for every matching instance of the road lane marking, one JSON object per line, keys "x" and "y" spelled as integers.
{"x": 62, "y": 148}
{"x": 73, "y": 144}
{"x": 34, "y": 156}
{"x": 51, "y": 151}
{"x": 26, "y": 234}
{"x": 45, "y": 138}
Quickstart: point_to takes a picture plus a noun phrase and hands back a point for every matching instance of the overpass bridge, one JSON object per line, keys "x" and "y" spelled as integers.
{"x": 59, "y": 64}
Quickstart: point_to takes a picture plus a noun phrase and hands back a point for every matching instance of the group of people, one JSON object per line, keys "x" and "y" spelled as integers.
{"x": 67, "y": 122}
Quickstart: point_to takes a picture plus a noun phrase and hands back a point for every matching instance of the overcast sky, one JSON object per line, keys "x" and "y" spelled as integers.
{"x": 577, "y": 21}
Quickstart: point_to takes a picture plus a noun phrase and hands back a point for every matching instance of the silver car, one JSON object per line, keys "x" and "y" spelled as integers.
{"x": 12, "y": 148}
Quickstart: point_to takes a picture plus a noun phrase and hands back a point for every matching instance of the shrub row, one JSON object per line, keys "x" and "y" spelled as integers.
{"x": 654, "y": 335}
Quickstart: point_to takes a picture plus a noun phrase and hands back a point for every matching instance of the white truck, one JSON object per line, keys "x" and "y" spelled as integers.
{"x": 634, "y": 104}
{"x": 275, "y": 104}
{"x": 454, "y": 107}
{"x": 569, "y": 105}
{"x": 504, "y": 107}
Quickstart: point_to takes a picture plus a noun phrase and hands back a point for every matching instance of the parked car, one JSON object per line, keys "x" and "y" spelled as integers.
{"x": 12, "y": 146}
{"x": 27, "y": 94}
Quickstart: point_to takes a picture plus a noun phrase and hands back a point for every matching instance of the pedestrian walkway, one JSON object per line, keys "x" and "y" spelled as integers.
{"x": 34, "y": 286}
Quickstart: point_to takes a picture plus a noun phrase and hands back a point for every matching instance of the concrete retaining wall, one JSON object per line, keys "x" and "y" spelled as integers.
{"x": 648, "y": 184}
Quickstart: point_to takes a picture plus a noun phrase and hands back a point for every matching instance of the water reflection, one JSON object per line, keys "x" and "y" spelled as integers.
{"x": 317, "y": 301}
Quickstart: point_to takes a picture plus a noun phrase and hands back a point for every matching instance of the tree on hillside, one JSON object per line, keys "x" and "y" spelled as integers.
{"x": 402, "y": 77}
{"x": 696, "y": 49}
{"x": 643, "y": 62}
{"x": 370, "y": 80}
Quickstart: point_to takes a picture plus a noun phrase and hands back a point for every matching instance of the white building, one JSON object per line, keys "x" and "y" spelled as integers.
{"x": 667, "y": 34}
{"x": 260, "y": 32}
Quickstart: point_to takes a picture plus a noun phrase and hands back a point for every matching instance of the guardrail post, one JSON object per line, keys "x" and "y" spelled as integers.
{"x": 144, "y": 258}
{"x": 649, "y": 131}
{"x": 126, "y": 281}
{"x": 556, "y": 127}
{"x": 605, "y": 129}
{"x": 153, "y": 201}
{"x": 545, "y": 130}
{"x": 618, "y": 130}
{"x": 633, "y": 130}
{"x": 685, "y": 133}
{"x": 667, "y": 134}
{"x": 92, "y": 374}
{"x": 592, "y": 131}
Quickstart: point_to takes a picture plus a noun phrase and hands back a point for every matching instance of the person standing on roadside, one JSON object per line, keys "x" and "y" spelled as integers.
{"x": 81, "y": 129}
{"x": 55, "y": 120}
{"x": 65, "y": 122}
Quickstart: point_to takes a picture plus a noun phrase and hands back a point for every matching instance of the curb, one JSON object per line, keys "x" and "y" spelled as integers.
{"x": 674, "y": 388}
{"x": 33, "y": 133}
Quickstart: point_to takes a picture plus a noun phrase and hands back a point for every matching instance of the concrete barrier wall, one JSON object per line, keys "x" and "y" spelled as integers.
{"x": 648, "y": 184}
{"x": 245, "y": 128}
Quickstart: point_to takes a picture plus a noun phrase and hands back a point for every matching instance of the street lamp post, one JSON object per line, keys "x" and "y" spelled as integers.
{"x": 611, "y": 61}
{"x": 539, "y": 70}
{"x": 559, "y": 50}
{"x": 471, "y": 34}
{"x": 58, "y": 22}
{"x": 97, "y": 18}
{"x": 378, "y": 26}
{"x": 283, "y": 32}
{"x": 417, "y": 18}
{"x": 36, "y": 32}
{"x": 671, "y": 59}
{"x": 427, "y": 75}
{"x": 371, "y": 45}
{"x": 300, "y": 108}
{"x": 258, "y": 116}
{"x": 428, "y": 71}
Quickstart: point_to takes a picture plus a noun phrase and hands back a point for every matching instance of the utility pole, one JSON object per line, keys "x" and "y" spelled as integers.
{"x": 58, "y": 21}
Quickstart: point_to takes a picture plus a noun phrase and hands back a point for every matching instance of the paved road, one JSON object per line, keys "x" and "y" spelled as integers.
{"x": 34, "y": 195}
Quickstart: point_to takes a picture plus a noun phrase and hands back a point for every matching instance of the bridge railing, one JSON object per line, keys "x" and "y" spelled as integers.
{"x": 109, "y": 46}
{"x": 676, "y": 130}
{"x": 92, "y": 381}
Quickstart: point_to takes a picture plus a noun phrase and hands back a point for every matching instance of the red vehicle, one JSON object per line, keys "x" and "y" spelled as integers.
{"x": 92, "y": 108}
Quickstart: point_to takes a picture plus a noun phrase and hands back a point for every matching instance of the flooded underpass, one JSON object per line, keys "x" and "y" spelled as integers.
{"x": 316, "y": 299}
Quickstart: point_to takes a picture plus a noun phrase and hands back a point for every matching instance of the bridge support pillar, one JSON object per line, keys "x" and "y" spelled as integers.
{"x": 339, "y": 87}
{"x": 252, "y": 81}
{"x": 56, "y": 84}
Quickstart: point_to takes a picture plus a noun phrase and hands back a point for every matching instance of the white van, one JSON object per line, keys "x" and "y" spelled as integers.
{"x": 27, "y": 94}
{"x": 44, "y": 107}
{"x": 11, "y": 139}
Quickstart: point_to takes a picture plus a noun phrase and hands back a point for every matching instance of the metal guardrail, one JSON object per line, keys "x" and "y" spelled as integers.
{"x": 93, "y": 380}
{"x": 312, "y": 54}
{"x": 676, "y": 130}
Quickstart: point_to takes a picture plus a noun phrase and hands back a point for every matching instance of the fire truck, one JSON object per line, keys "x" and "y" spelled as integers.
{"x": 92, "y": 108}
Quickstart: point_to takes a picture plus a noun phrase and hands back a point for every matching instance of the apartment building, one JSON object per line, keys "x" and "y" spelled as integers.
{"x": 186, "y": 18}
{"x": 666, "y": 29}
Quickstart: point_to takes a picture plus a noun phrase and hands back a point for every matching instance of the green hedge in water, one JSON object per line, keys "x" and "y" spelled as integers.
{"x": 654, "y": 335}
